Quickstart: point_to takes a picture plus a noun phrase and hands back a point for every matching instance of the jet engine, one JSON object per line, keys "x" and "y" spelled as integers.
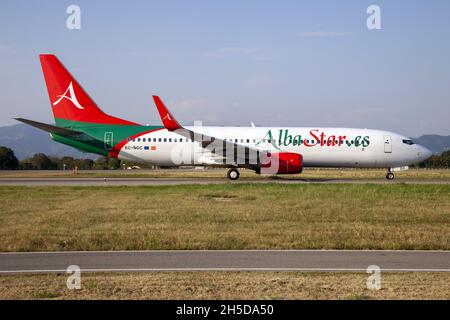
{"x": 280, "y": 163}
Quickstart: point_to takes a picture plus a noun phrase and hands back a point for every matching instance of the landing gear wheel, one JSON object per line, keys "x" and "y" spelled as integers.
{"x": 233, "y": 174}
{"x": 390, "y": 176}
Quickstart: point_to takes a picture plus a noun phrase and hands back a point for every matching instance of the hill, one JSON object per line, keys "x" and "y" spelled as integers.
{"x": 436, "y": 143}
{"x": 26, "y": 141}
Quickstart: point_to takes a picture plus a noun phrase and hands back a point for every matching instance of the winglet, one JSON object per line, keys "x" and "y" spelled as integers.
{"x": 168, "y": 120}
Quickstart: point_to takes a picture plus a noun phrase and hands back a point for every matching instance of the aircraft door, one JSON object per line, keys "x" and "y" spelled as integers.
{"x": 108, "y": 140}
{"x": 387, "y": 144}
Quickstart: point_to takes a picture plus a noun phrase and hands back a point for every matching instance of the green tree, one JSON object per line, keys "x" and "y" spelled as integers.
{"x": 84, "y": 164}
{"x": 41, "y": 162}
{"x": 56, "y": 162}
{"x": 8, "y": 160}
{"x": 114, "y": 163}
{"x": 68, "y": 161}
{"x": 25, "y": 164}
{"x": 445, "y": 159}
{"x": 105, "y": 163}
{"x": 101, "y": 163}
{"x": 435, "y": 162}
{"x": 88, "y": 164}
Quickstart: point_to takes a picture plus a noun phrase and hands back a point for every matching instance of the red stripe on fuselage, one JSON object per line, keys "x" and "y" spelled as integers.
{"x": 114, "y": 153}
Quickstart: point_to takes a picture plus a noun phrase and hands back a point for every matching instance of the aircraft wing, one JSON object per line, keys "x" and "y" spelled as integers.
{"x": 230, "y": 151}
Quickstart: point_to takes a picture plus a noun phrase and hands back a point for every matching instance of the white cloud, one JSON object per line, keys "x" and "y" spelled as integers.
{"x": 191, "y": 104}
{"x": 326, "y": 34}
{"x": 228, "y": 51}
{"x": 4, "y": 48}
{"x": 189, "y": 111}
{"x": 262, "y": 81}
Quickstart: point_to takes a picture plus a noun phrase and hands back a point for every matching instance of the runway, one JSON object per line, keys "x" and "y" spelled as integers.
{"x": 186, "y": 181}
{"x": 226, "y": 260}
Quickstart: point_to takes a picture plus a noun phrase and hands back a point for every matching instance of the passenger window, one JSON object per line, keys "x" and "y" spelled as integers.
{"x": 165, "y": 139}
{"x": 159, "y": 139}
{"x": 170, "y": 139}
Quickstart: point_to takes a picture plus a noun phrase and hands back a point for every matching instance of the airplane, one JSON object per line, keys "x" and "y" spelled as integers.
{"x": 81, "y": 124}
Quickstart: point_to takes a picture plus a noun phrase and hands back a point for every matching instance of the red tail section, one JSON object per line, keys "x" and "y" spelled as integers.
{"x": 68, "y": 99}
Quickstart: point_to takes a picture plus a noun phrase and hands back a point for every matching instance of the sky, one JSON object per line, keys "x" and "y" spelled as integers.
{"x": 274, "y": 63}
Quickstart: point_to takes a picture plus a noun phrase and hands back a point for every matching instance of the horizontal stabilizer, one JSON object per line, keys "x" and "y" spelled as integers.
{"x": 50, "y": 128}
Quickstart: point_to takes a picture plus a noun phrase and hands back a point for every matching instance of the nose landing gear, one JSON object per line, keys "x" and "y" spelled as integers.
{"x": 233, "y": 174}
{"x": 390, "y": 175}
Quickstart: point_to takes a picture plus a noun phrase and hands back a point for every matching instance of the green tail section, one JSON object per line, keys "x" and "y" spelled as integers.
{"x": 102, "y": 139}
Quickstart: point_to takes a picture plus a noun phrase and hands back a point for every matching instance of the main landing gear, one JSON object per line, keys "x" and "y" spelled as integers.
{"x": 390, "y": 175}
{"x": 233, "y": 174}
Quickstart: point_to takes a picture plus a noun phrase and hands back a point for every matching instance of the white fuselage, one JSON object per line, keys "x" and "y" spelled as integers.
{"x": 320, "y": 147}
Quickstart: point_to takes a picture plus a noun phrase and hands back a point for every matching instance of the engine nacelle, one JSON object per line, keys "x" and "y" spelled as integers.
{"x": 281, "y": 163}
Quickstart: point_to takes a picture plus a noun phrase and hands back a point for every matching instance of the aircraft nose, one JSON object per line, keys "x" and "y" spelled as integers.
{"x": 423, "y": 153}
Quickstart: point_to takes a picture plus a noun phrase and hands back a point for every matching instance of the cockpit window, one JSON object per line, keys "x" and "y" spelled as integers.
{"x": 408, "y": 142}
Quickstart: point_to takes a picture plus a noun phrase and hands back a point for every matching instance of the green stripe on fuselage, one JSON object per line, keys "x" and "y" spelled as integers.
{"x": 93, "y": 139}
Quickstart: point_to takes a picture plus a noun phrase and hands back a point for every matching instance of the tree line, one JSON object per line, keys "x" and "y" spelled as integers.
{"x": 40, "y": 161}
{"x": 437, "y": 161}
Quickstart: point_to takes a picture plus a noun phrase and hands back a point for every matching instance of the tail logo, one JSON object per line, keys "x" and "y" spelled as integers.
{"x": 167, "y": 117}
{"x": 72, "y": 97}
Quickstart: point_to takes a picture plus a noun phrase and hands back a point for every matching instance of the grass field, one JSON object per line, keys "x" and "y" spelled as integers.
{"x": 226, "y": 285}
{"x": 308, "y": 173}
{"x": 226, "y": 216}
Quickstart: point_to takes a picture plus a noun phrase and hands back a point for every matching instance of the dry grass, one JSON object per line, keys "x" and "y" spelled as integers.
{"x": 228, "y": 216}
{"x": 308, "y": 173}
{"x": 225, "y": 285}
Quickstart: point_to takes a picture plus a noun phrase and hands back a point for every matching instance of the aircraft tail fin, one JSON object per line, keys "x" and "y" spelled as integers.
{"x": 70, "y": 103}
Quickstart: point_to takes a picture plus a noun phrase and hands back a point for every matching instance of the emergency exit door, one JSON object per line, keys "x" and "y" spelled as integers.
{"x": 109, "y": 143}
{"x": 387, "y": 144}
